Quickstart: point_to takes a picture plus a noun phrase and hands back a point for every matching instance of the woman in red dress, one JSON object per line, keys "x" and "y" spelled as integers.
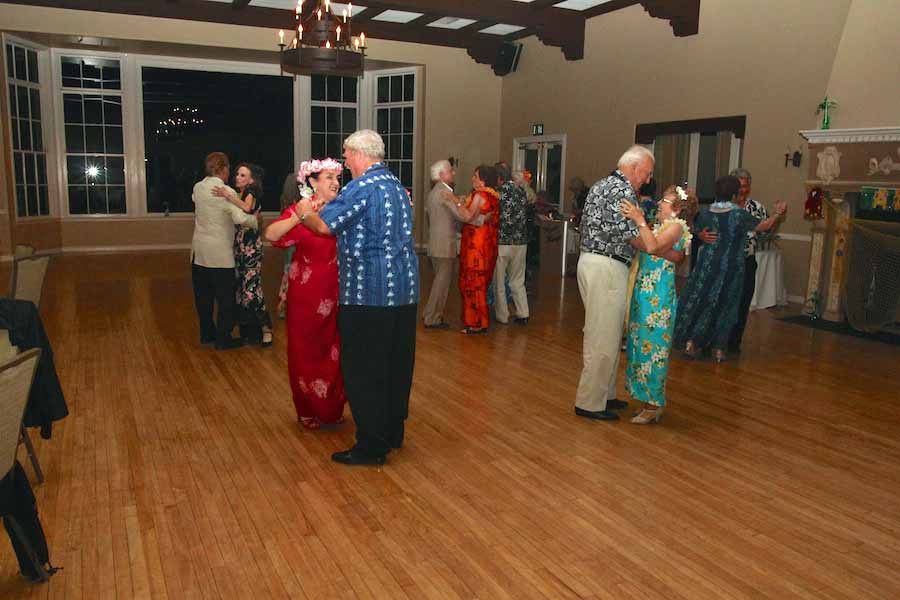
{"x": 313, "y": 344}
{"x": 478, "y": 249}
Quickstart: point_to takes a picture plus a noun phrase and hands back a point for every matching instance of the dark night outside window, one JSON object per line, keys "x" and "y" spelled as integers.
{"x": 188, "y": 114}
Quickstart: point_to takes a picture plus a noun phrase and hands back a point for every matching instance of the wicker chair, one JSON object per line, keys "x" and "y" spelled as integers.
{"x": 16, "y": 377}
{"x": 23, "y": 251}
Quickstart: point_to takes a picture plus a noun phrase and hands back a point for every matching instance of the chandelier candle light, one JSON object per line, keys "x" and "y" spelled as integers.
{"x": 323, "y": 42}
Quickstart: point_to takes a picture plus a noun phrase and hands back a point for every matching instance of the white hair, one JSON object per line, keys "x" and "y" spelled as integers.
{"x": 367, "y": 142}
{"x": 441, "y": 166}
{"x": 742, "y": 174}
{"x": 635, "y": 155}
{"x": 519, "y": 178}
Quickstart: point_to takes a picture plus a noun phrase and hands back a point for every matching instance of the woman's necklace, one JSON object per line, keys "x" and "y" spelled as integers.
{"x": 723, "y": 205}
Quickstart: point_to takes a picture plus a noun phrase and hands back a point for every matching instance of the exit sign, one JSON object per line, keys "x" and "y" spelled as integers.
{"x": 537, "y": 129}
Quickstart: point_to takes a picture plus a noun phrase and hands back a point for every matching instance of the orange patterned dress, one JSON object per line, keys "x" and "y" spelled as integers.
{"x": 477, "y": 257}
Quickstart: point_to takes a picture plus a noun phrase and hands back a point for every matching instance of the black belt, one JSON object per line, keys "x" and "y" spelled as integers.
{"x": 621, "y": 259}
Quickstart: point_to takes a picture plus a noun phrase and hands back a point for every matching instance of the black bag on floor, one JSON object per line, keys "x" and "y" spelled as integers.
{"x": 20, "y": 519}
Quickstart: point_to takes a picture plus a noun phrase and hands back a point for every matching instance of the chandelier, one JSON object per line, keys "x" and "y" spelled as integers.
{"x": 323, "y": 42}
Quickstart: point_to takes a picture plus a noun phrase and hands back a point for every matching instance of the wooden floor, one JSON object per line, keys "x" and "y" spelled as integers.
{"x": 181, "y": 472}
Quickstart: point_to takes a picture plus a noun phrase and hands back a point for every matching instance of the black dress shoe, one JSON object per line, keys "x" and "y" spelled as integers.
{"x": 440, "y": 325}
{"x": 521, "y": 320}
{"x": 229, "y": 343}
{"x": 204, "y": 340}
{"x": 600, "y": 415}
{"x": 355, "y": 457}
{"x": 616, "y": 404}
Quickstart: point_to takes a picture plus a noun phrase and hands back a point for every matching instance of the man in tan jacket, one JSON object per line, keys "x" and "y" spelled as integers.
{"x": 443, "y": 226}
{"x": 212, "y": 254}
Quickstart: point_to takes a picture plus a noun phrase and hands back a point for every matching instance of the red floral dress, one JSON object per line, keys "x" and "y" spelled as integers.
{"x": 313, "y": 344}
{"x": 477, "y": 257}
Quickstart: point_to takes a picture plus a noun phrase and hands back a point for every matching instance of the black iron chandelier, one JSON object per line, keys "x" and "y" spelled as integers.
{"x": 323, "y": 42}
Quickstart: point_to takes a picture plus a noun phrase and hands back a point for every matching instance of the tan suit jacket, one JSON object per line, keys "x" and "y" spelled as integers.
{"x": 214, "y": 221}
{"x": 443, "y": 223}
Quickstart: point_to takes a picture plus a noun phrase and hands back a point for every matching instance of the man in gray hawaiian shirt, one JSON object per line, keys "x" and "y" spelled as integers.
{"x": 608, "y": 243}
{"x": 513, "y": 245}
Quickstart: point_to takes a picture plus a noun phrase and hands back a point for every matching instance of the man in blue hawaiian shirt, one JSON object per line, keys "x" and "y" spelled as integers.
{"x": 379, "y": 294}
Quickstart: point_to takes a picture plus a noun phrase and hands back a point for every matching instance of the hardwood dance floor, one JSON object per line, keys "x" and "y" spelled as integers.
{"x": 181, "y": 471}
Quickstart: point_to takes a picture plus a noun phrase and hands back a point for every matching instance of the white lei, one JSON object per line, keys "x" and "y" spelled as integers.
{"x": 686, "y": 231}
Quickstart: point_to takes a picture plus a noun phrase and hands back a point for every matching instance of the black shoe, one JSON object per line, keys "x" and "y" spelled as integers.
{"x": 600, "y": 415}
{"x": 206, "y": 340}
{"x": 354, "y": 457}
{"x": 521, "y": 320}
{"x": 440, "y": 325}
{"x": 229, "y": 343}
{"x": 616, "y": 404}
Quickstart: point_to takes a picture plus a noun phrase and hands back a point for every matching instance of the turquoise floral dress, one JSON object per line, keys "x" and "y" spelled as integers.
{"x": 652, "y": 319}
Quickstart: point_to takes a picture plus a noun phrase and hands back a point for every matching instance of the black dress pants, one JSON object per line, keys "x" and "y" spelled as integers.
{"x": 737, "y": 333}
{"x": 378, "y": 353}
{"x": 214, "y": 286}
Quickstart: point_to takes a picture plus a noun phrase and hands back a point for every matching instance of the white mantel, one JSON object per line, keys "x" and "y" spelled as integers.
{"x": 849, "y": 136}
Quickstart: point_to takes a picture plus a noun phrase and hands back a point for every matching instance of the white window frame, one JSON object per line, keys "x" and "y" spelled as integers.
{"x": 48, "y": 128}
{"x": 418, "y": 118}
{"x": 128, "y": 132}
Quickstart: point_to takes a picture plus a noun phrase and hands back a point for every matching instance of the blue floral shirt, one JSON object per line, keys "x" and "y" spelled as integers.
{"x": 372, "y": 219}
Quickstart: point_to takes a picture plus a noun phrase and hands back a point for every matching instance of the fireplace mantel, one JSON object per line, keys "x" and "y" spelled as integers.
{"x": 852, "y": 136}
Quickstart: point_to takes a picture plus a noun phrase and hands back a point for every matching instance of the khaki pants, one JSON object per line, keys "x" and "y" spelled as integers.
{"x": 511, "y": 260}
{"x": 603, "y": 283}
{"x": 444, "y": 269}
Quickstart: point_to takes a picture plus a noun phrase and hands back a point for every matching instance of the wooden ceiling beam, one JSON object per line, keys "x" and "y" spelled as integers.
{"x": 683, "y": 15}
{"x": 239, "y": 4}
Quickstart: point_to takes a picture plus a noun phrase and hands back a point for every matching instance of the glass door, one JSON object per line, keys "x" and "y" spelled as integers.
{"x": 544, "y": 158}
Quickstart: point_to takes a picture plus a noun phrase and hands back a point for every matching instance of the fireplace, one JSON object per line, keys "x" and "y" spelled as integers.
{"x": 859, "y": 173}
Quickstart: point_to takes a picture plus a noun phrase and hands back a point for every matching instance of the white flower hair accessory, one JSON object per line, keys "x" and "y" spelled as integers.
{"x": 681, "y": 193}
{"x": 308, "y": 167}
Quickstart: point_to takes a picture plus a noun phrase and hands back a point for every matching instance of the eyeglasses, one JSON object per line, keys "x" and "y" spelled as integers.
{"x": 666, "y": 200}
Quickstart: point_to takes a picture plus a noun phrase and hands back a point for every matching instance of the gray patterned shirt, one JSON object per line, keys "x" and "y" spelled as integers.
{"x": 604, "y": 229}
{"x": 513, "y": 215}
{"x": 759, "y": 211}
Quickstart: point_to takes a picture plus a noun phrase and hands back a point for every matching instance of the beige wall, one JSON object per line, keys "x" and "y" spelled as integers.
{"x": 461, "y": 110}
{"x": 865, "y": 80}
{"x": 767, "y": 59}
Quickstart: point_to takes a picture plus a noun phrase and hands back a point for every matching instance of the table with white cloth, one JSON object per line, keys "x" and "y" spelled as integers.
{"x": 769, "y": 280}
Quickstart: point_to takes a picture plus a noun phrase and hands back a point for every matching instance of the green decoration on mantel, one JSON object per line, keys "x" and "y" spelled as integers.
{"x": 824, "y": 107}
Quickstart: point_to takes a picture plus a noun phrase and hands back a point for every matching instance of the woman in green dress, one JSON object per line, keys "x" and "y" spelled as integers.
{"x": 654, "y": 301}
{"x": 708, "y": 307}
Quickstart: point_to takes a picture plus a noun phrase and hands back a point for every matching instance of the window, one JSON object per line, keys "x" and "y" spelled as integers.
{"x": 92, "y": 117}
{"x": 26, "y": 125}
{"x": 190, "y": 113}
{"x": 395, "y": 121}
{"x": 333, "y": 115}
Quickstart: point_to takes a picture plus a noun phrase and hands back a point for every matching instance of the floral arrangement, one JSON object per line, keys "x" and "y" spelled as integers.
{"x": 308, "y": 167}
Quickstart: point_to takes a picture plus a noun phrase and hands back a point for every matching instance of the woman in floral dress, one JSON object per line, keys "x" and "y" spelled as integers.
{"x": 253, "y": 318}
{"x": 313, "y": 344}
{"x": 653, "y": 301}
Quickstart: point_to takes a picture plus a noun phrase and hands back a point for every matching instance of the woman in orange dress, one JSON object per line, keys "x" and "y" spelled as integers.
{"x": 478, "y": 249}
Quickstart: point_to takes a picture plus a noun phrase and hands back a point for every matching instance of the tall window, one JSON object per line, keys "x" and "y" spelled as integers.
{"x": 189, "y": 113}
{"x": 333, "y": 115}
{"x": 395, "y": 120}
{"x": 29, "y": 154}
{"x": 95, "y": 154}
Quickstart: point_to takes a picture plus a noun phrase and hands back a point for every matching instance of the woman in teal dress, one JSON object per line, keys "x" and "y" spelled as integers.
{"x": 653, "y": 300}
{"x": 708, "y": 307}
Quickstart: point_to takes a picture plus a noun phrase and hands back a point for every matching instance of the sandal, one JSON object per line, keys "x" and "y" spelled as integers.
{"x": 647, "y": 416}
{"x": 266, "y": 339}
{"x": 311, "y": 423}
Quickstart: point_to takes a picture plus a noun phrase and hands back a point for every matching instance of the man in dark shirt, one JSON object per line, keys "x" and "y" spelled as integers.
{"x": 608, "y": 242}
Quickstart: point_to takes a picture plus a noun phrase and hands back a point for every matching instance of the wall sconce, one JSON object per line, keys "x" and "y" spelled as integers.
{"x": 793, "y": 159}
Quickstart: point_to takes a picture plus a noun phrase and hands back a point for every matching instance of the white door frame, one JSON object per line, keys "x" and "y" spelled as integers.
{"x": 558, "y": 138}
